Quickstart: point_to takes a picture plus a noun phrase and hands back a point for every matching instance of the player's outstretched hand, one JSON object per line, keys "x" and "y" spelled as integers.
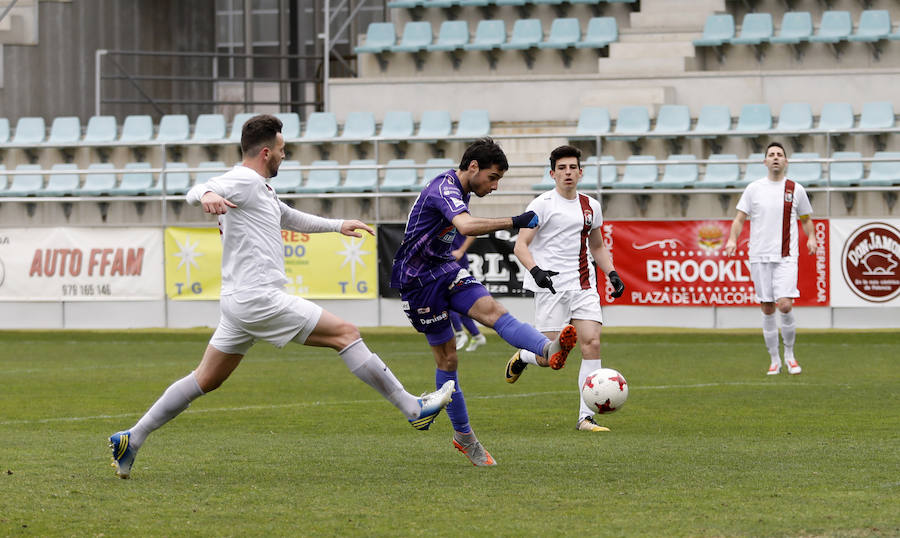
{"x": 527, "y": 219}
{"x": 617, "y": 284}
{"x": 215, "y": 204}
{"x": 349, "y": 227}
{"x": 542, "y": 278}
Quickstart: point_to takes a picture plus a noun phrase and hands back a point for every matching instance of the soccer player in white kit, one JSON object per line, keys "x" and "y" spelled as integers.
{"x": 254, "y": 305}
{"x": 561, "y": 274}
{"x": 774, "y": 204}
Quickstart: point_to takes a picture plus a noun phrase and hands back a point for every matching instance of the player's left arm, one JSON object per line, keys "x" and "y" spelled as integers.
{"x": 470, "y": 225}
{"x": 298, "y": 221}
{"x": 807, "y": 224}
{"x": 601, "y": 255}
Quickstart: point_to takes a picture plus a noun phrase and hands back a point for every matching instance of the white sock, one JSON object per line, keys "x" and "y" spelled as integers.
{"x": 788, "y": 333}
{"x": 174, "y": 400}
{"x": 373, "y": 372}
{"x": 770, "y": 335}
{"x": 528, "y": 357}
{"x": 587, "y": 366}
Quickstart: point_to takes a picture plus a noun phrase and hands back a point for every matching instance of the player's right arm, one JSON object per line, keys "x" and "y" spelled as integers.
{"x": 214, "y": 195}
{"x": 736, "y": 226}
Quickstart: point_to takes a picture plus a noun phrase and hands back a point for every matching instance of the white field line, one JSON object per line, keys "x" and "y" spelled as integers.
{"x": 369, "y": 402}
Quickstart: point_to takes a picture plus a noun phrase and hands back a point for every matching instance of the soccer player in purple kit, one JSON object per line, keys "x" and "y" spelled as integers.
{"x": 432, "y": 282}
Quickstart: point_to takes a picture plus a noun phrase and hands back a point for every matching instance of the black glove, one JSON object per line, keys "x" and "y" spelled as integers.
{"x": 617, "y": 284}
{"x": 526, "y": 220}
{"x": 542, "y": 278}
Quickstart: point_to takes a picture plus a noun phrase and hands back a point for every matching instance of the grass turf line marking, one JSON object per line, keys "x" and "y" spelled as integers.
{"x": 367, "y": 402}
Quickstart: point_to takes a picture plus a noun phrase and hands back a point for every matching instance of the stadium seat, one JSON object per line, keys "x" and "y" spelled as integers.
{"x": 796, "y": 28}
{"x": 30, "y": 131}
{"x": 714, "y": 120}
{"x": 363, "y": 178}
{"x": 61, "y": 184}
{"x": 4, "y": 130}
{"x": 452, "y": 37}
{"x": 874, "y": 25}
{"x": 564, "y": 33}
{"x": 238, "y": 123}
{"x": 795, "y": 117}
{"x": 405, "y": 4}
{"x": 717, "y": 30}
{"x": 877, "y": 115}
{"x": 380, "y": 37}
{"x": 416, "y": 36}
{"x": 753, "y": 119}
{"x": 592, "y": 122}
{"x": 173, "y": 128}
{"x": 287, "y": 181}
{"x": 397, "y": 125}
{"x": 177, "y": 181}
{"x": 673, "y": 120}
{"x": 756, "y": 169}
{"x": 600, "y": 32}
{"x": 473, "y": 123}
{"x": 434, "y": 167}
{"x": 595, "y": 172}
{"x": 546, "y": 183}
{"x": 834, "y": 27}
{"x": 435, "y": 125}
{"x": 137, "y": 182}
{"x": 883, "y": 173}
{"x": 358, "y": 126}
{"x": 209, "y": 127}
{"x": 756, "y": 28}
{"x": 400, "y": 175}
{"x": 845, "y": 174}
{"x": 639, "y": 173}
{"x": 320, "y": 126}
{"x": 489, "y": 36}
{"x": 632, "y": 123}
{"x": 218, "y": 168}
{"x": 65, "y": 130}
{"x": 137, "y": 129}
{"x": 99, "y": 182}
{"x": 679, "y": 176}
{"x": 720, "y": 175}
{"x": 26, "y": 184}
{"x": 321, "y": 179}
{"x": 836, "y": 117}
{"x": 526, "y": 34}
{"x": 806, "y": 174}
{"x": 100, "y": 130}
{"x": 290, "y": 125}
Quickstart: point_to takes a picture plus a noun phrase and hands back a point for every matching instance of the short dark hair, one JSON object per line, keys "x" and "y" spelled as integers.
{"x": 562, "y": 152}
{"x": 259, "y": 132}
{"x": 775, "y": 145}
{"x": 486, "y": 152}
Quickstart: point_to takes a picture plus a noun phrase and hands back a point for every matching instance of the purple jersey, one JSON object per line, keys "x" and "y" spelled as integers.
{"x": 424, "y": 255}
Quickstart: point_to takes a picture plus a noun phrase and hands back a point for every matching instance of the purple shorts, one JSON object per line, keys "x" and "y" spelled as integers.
{"x": 427, "y": 307}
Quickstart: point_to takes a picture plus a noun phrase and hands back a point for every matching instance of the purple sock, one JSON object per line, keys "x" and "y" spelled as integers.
{"x": 455, "y": 320}
{"x": 456, "y": 409}
{"x": 470, "y": 326}
{"x": 520, "y": 335}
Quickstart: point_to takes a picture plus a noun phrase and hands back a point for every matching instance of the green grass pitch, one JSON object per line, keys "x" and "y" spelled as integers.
{"x": 295, "y": 445}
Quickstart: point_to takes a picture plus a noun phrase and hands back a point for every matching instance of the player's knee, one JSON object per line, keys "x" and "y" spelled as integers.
{"x": 347, "y": 333}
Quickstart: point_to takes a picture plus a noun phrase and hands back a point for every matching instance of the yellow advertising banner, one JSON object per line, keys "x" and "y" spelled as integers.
{"x": 318, "y": 266}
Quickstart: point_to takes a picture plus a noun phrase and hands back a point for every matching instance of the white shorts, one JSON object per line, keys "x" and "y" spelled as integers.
{"x": 774, "y": 280}
{"x": 553, "y": 311}
{"x": 267, "y": 314}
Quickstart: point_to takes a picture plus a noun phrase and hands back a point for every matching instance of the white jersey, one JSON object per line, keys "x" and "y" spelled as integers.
{"x": 252, "y": 247}
{"x": 764, "y": 202}
{"x": 561, "y": 240}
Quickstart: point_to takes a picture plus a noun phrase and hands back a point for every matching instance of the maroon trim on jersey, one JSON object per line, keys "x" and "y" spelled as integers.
{"x": 584, "y": 275}
{"x": 786, "y": 218}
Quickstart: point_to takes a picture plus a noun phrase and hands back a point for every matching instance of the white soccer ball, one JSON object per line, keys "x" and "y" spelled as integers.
{"x": 604, "y": 390}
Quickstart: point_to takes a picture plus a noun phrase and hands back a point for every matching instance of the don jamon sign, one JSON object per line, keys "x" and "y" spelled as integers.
{"x": 682, "y": 263}
{"x": 80, "y": 264}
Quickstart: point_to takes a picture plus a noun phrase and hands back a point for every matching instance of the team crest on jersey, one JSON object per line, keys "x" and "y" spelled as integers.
{"x": 588, "y": 217}
{"x": 789, "y": 197}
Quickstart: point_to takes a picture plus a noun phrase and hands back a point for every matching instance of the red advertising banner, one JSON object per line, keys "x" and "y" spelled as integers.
{"x": 682, "y": 263}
